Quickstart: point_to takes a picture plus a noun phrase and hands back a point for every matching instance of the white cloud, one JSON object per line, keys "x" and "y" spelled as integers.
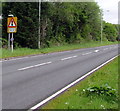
{"x": 110, "y": 10}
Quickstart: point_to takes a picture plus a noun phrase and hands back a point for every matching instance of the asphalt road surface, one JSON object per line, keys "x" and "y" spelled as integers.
{"x": 27, "y": 81}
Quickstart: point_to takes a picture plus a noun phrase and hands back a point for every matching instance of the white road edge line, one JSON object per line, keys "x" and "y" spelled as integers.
{"x": 105, "y": 49}
{"x": 68, "y": 86}
{"x": 12, "y": 59}
{"x": 34, "y": 66}
{"x": 68, "y": 58}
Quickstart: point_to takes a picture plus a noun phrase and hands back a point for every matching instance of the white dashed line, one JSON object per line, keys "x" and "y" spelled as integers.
{"x": 87, "y": 53}
{"x": 37, "y": 65}
{"x": 68, "y": 58}
{"x": 96, "y": 51}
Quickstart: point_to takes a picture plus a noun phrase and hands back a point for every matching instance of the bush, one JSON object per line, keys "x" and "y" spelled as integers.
{"x": 3, "y": 43}
{"x": 105, "y": 91}
{"x": 102, "y": 90}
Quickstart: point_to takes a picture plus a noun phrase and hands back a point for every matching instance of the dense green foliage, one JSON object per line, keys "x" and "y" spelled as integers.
{"x": 27, "y": 14}
{"x": 69, "y": 22}
{"x": 61, "y": 23}
{"x": 110, "y": 31}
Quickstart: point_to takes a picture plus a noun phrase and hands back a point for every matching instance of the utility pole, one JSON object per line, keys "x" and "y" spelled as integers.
{"x": 39, "y": 44}
{"x": 101, "y": 25}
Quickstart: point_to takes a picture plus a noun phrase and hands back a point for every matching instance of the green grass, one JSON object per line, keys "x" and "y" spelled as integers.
{"x": 26, "y": 51}
{"x": 19, "y": 52}
{"x": 76, "y": 98}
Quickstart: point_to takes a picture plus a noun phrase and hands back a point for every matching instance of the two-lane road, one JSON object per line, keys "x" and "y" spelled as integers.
{"x": 27, "y": 81}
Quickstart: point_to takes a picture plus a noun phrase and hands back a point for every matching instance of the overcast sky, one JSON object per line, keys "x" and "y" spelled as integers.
{"x": 110, "y": 10}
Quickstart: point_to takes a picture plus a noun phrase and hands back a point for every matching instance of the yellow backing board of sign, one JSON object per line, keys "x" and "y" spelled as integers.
{"x": 12, "y": 24}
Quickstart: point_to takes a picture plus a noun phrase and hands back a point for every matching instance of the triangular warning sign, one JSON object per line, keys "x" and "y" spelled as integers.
{"x": 12, "y": 23}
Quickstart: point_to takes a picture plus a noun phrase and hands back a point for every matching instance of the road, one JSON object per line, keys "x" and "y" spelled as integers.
{"x": 27, "y": 81}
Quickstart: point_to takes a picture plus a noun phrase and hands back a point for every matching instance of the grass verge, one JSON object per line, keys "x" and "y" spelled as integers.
{"x": 26, "y": 51}
{"x": 98, "y": 91}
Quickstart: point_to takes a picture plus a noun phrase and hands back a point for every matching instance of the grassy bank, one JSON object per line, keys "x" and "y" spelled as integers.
{"x": 98, "y": 91}
{"x": 26, "y": 51}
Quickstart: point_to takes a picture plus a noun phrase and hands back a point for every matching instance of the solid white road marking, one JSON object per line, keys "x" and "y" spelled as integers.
{"x": 110, "y": 47}
{"x": 96, "y": 51}
{"x": 70, "y": 85}
{"x": 37, "y": 65}
{"x": 68, "y": 58}
{"x": 12, "y": 59}
{"x": 87, "y": 53}
{"x": 105, "y": 49}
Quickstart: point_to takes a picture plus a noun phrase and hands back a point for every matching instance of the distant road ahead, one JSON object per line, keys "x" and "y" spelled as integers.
{"x": 29, "y": 80}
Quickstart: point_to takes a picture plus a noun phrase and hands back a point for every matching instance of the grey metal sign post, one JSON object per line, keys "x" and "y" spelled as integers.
{"x": 12, "y": 39}
{"x": 9, "y": 41}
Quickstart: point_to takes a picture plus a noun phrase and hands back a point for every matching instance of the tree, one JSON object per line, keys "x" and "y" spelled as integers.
{"x": 110, "y": 32}
{"x": 61, "y": 23}
{"x": 27, "y": 13}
